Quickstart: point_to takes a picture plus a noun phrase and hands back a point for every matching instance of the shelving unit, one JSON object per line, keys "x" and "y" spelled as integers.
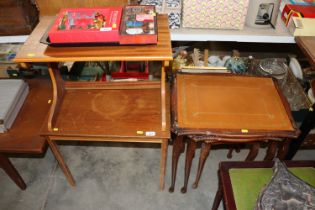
{"x": 259, "y": 35}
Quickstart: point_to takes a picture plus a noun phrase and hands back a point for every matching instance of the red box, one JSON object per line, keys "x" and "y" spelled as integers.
{"x": 138, "y": 25}
{"x": 291, "y": 10}
{"x": 86, "y": 25}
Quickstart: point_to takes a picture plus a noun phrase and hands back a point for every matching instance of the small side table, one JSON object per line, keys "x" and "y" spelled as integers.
{"x": 229, "y": 171}
{"x": 23, "y": 137}
{"x": 227, "y": 109}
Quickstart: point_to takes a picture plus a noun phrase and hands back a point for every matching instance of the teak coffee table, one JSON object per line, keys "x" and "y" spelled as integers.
{"x": 104, "y": 111}
{"x": 227, "y": 109}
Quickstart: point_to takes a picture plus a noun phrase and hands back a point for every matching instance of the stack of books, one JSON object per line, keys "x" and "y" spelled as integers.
{"x": 13, "y": 93}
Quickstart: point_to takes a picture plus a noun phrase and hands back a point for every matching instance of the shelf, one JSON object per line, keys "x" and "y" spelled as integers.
{"x": 258, "y": 35}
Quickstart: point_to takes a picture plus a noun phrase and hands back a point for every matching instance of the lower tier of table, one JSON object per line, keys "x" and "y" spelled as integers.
{"x": 111, "y": 113}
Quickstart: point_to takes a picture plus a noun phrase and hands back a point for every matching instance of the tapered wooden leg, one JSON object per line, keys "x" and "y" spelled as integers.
{"x": 178, "y": 148}
{"x": 191, "y": 148}
{"x": 271, "y": 151}
{"x": 202, "y": 159}
{"x": 8, "y": 167}
{"x": 218, "y": 196}
{"x": 283, "y": 149}
{"x": 229, "y": 154}
{"x": 163, "y": 160}
{"x": 253, "y": 151}
{"x": 54, "y": 148}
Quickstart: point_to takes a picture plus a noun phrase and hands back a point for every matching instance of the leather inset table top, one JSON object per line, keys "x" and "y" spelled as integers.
{"x": 215, "y": 101}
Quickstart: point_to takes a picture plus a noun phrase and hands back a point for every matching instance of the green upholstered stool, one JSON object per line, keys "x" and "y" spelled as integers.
{"x": 241, "y": 182}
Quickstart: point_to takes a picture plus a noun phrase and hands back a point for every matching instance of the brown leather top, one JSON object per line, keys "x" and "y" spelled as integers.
{"x": 230, "y": 102}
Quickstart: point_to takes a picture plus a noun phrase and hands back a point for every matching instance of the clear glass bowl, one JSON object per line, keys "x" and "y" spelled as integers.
{"x": 273, "y": 67}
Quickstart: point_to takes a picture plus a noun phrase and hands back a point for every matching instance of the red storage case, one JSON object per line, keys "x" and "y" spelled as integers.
{"x": 86, "y": 25}
{"x": 291, "y": 10}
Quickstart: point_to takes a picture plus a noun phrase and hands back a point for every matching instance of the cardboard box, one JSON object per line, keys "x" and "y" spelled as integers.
{"x": 302, "y": 26}
{"x": 138, "y": 25}
{"x": 290, "y": 10}
{"x": 216, "y": 14}
{"x": 86, "y": 25}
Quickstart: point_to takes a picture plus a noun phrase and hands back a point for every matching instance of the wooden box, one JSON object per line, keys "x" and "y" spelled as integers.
{"x": 17, "y": 17}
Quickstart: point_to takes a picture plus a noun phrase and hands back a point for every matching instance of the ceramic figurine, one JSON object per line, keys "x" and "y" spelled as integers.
{"x": 235, "y": 63}
{"x": 180, "y": 60}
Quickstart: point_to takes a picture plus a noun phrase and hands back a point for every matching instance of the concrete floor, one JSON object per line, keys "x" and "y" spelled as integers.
{"x": 112, "y": 176}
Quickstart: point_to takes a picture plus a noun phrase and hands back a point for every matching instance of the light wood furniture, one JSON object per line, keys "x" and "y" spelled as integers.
{"x": 24, "y": 136}
{"x": 227, "y": 109}
{"x": 225, "y": 189}
{"x": 110, "y": 111}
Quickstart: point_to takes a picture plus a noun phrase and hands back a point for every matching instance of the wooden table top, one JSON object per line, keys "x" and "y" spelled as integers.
{"x": 34, "y": 51}
{"x": 116, "y": 113}
{"x": 307, "y": 45}
{"x": 231, "y": 103}
{"x": 24, "y": 135}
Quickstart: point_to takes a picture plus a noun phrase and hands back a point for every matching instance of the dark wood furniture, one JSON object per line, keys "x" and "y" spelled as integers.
{"x": 108, "y": 111}
{"x": 17, "y": 17}
{"x": 227, "y": 109}
{"x": 307, "y": 45}
{"x": 225, "y": 189}
{"x": 24, "y": 136}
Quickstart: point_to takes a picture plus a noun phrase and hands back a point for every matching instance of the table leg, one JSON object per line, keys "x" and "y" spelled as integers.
{"x": 62, "y": 164}
{"x": 191, "y": 148}
{"x": 253, "y": 151}
{"x": 271, "y": 151}
{"x": 218, "y": 196}
{"x": 283, "y": 149}
{"x": 163, "y": 160}
{"x": 178, "y": 148}
{"x": 8, "y": 167}
{"x": 202, "y": 159}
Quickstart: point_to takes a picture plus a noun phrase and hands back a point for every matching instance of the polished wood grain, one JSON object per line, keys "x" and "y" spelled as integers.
{"x": 34, "y": 51}
{"x": 24, "y": 135}
{"x": 307, "y": 45}
{"x": 225, "y": 189}
{"x": 106, "y": 112}
{"x": 49, "y": 7}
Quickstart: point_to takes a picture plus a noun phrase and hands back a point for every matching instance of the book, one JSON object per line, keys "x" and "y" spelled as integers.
{"x": 13, "y": 93}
